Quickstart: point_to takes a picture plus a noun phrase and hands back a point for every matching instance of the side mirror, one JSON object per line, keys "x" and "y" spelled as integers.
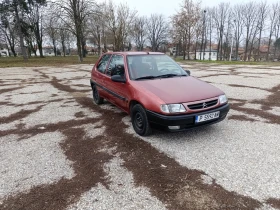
{"x": 188, "y": 72}
{"x": 118, "y": 78}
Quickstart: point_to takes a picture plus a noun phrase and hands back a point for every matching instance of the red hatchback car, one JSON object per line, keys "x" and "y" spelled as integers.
{"x": 156, "y": 91}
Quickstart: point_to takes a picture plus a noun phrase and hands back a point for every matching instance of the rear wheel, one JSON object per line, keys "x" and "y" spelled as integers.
{"x": 96, "y": 97}
{"x": 140, "y": 121}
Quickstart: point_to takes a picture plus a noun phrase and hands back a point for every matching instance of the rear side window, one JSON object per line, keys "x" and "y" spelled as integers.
{"x": 101, "y": 67}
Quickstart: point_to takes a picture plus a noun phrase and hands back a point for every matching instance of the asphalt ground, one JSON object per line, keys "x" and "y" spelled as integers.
{"x": 60, "y": 151}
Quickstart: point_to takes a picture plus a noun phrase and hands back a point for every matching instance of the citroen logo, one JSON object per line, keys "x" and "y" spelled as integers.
{"x": 204, "y": 105}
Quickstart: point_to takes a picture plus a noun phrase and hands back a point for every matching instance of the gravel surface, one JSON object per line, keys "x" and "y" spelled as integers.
{"x": 30, "y": 162}
{"x": 57, "y": 149}
{"x": 122, "y": 193}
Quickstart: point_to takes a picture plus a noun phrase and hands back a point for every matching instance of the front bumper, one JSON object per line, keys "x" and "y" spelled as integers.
{"x": 186, "y": 121}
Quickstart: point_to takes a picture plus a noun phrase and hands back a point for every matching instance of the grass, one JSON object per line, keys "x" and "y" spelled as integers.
{"x": 47, "y": 61}
{"x": 228, "y": 62}
{"x": 72, "y": 60}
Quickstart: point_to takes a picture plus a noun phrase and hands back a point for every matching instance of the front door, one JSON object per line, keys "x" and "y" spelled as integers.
{"x": 118, "y": 90}
{"x": 100, "y": 74}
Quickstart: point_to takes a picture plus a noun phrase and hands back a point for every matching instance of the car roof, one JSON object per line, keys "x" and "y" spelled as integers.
{"x": 136, "y": 53}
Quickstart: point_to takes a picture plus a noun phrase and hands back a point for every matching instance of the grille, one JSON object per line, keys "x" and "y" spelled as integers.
{"x": 202, "y": 105}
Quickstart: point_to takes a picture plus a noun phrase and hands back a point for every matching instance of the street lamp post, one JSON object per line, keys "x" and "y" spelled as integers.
{"x": 205, "y": 37}
{"x": 210, "y": 55}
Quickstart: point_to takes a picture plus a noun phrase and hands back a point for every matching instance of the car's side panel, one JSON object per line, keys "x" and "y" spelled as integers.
{"x": 98, "y": 78}
{"x": 147, "y": 99}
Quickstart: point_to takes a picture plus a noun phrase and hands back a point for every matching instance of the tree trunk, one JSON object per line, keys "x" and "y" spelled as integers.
{"x": 221, "y": 45}
{"x": 12, "y": 45}
{"x": 84, "y": 50}
{"x": 276, "y": 38}
{"x": 196, "y": 43}
{"x": 259, "y": 45}
{"x": 184, "y": 46}
{"x": 246, "y": 45}
{"x": 38, "y": 36}
{"x": 268, "y": 48}
{"x": 23, "y": 49}
{"x": 79, "y": 47}
{"x": 63, "y": 47}
{"x": 13, "y": 51}
{"x": 189, "y": 42}
{"x": 40, "y": 50}
{"x": 54, "y": 47}
{"x": 218, "y": 49}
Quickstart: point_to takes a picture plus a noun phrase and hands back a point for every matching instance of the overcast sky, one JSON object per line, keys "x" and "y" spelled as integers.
{"x": 169, "y": 7}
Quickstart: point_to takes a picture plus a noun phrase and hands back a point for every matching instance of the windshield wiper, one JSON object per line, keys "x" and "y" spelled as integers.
{"x": 147, "y": 77}
{"x": 170, "y": 75}
{"x": 161, "y": 76}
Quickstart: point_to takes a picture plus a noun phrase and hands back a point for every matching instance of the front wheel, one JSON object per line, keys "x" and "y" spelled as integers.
{"x": 96, "y": 97}
{"x": 140, "y": 121}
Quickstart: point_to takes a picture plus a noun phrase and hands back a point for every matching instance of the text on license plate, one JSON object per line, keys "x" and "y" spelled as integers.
{"x": 206, "y": 117}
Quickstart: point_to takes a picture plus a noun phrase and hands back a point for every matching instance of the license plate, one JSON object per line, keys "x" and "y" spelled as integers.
{"x": 206, "y": 117}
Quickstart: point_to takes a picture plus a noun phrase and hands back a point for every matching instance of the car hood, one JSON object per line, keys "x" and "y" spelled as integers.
{"x": 179, "y": 89}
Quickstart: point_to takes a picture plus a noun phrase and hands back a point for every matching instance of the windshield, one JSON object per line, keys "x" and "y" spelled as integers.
{"x": 153, "y": 66}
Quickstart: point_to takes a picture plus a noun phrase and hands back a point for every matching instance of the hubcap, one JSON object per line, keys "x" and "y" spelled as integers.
{"x": 139, "y": 120}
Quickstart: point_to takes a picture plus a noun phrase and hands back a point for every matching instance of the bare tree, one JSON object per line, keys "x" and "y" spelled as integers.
{"x": 35, "y": 20}
{"x": 220, "y": 15}
{"x": 120, "y": 21}
{"x": 184, "y": 24}
{"x": 16, "y": 8}
{"x": 74, "y": 14}
{"x": 157, "y": 29}
{"x": 228, "y": 34}
{"x": 8, "y": 31}
{"x": 273, "y": 21}
{"x": 64, "y": 37}
{"x": 51, "y": 26}
{"x": 250, "y": 22}
{"x": 263, "y": 12}
{"x": 276, "y": 26}
{"x": 139, "y": 32}
{"x": 97, "y": 27}
{"x": 239, "y": 25}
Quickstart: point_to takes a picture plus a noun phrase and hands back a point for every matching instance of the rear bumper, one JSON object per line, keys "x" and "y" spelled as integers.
{"x": 186, "y": 121}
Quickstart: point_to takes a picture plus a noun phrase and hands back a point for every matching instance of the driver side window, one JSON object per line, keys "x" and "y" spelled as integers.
{"x": 101, "y": 67}
{"x": 116, "y": 66}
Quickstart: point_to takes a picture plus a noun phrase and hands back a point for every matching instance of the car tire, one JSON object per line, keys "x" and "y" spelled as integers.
{"x": 140, "y": 121}
{"x": 96, "y": 97}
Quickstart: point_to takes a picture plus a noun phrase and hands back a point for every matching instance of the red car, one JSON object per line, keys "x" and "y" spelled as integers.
{"x": 156, "y": 91}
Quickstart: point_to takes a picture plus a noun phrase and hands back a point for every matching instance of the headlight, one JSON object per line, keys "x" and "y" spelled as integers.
{"x": 223, "y": 99}
{"x": 172, "y": 108}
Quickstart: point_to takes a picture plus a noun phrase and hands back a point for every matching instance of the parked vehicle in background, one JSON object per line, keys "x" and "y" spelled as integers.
{"x": 156, "y": 91}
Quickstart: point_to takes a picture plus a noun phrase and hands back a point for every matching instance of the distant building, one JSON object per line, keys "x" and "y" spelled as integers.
{"x": 4, "y": 52}
{"x": 208, "y": 55}
{"x": 47, "y": 51}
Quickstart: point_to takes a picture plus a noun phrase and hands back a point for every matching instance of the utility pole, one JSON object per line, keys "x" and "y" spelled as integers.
{"x": 205, "y": 36}
{"x": 210, "y": 55}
